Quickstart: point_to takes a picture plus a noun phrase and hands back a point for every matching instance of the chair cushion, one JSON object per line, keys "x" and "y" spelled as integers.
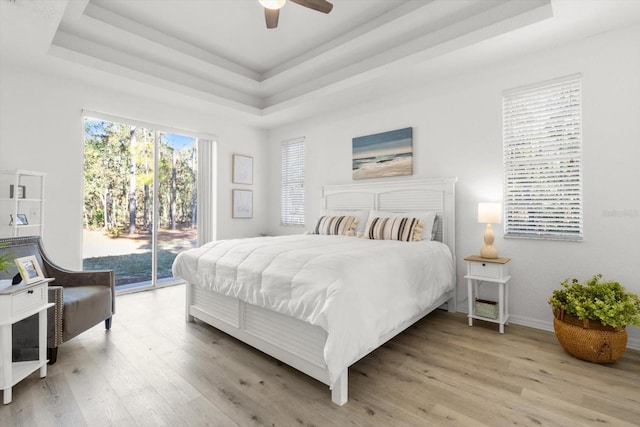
{"x": 84, "y": 307}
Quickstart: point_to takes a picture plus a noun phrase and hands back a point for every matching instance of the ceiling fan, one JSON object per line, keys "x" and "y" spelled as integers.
{"x": 272, "y": 8}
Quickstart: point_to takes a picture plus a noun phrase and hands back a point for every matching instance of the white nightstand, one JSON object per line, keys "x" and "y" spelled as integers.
{"x": 485, "y": 270}
{"x": 17, "y": 303}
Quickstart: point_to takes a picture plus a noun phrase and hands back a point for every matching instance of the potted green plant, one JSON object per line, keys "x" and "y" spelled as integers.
{"x": 590, "y": 318}
{"x": 5, "y": 261}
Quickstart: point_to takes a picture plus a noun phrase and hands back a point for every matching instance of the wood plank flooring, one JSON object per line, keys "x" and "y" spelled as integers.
{"x": 154, "y": 369}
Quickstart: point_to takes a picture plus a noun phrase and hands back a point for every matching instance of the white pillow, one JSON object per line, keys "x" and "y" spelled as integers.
{"x": 363, "y": 216}
{"x": 427, "y": 218}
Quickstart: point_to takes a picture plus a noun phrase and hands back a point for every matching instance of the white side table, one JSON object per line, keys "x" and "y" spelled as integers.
{"x": 17, "y": 303}
{"x": 485, "y": 270}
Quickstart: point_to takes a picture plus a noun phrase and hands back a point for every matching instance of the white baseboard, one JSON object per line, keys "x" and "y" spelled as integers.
{"x": 547, "y": 325}
{"x": 633, "y": 343}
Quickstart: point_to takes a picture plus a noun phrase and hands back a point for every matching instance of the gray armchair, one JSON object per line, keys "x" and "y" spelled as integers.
{"x": 82, "y": 299}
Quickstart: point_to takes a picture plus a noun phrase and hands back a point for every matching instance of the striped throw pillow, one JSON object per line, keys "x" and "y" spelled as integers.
{"x": 336, "y": 225}
{"x": 403, "y": 229}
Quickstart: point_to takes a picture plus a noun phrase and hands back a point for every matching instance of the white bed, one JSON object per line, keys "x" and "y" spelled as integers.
{"x": 298, "y": 308}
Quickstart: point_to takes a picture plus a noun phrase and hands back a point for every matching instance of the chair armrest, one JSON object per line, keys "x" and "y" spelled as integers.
{"x": 81, "y": 278}
{"x": 54, "y": 316}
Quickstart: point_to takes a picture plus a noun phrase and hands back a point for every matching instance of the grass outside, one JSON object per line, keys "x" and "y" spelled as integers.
{"x": 130, "y": 255}
{"x": 132, "y": 268}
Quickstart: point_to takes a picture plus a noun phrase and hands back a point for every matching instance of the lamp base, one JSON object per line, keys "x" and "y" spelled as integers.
{"x": 489, "y": 251}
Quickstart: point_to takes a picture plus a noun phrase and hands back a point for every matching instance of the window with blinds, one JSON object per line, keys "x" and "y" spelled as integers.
{"x": 292, "y": 183}
{"x": 542, "y": 136}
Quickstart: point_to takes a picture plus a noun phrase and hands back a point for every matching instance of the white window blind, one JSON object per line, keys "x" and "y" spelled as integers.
{"x": 542, "y": 135}
{"x": 292, "y": 183}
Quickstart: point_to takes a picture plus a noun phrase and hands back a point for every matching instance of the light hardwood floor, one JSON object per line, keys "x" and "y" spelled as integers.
{"x": 154, "y": 369}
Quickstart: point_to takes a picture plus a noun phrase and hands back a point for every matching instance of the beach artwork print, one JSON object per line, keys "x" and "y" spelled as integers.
{"x": 383, "y": 154}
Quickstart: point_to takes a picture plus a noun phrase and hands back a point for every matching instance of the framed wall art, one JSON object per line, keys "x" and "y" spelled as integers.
{"x": 242, "y": 169}
{"x": 242, "y": 204}
{"x": 383, "y": 154}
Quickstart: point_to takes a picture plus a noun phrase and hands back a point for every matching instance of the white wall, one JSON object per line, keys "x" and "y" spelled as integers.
{"x": 457, "y": 132}
{"x": 457, "y": 129}
{"x": 41, "y": 129}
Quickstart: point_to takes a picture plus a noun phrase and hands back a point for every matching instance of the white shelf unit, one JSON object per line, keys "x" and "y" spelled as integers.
{"x": 17, "y": 303}
{"x": 21, "y": 203}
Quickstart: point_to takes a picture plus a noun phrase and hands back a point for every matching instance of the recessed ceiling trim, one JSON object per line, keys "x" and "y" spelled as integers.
{"x": 459, "y": 34}
{"x": 88, "y": 29}
{"x": 415, "y": 37}
{"x": 83, "y": 51}
{"x": 95, "y": 11}
{"x": 414, "y": 32}
{"x": 351, "y": 35}
{"x": 386, "y": 42}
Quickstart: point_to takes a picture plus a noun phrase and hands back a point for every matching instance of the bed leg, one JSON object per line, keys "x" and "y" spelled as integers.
{"x": 339, "y": 389}
{"x": 187, "y": 305}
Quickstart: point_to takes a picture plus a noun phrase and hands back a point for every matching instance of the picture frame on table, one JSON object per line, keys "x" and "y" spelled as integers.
{"x": 29, "y": 269}
{"x": 242, "y": 204}
{"x": 242, "y": 169}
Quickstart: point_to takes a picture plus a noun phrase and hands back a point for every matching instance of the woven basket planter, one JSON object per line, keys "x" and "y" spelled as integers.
{"x": 590, "y": 341}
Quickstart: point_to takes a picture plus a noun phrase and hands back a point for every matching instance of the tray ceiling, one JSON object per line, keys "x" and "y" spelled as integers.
{"x": 219, "y": 51}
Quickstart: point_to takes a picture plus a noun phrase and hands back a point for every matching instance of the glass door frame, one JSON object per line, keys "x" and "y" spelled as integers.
{"x": 206, "y": 182}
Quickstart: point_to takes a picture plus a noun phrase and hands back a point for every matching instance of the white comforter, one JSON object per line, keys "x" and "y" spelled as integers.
{"x": 355, "y": 289}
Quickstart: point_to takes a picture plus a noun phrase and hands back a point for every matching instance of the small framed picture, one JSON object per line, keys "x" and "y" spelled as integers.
{"x": 242, "y": 169}
{"x": 29, "y": 269}
{"x": 22, "y": 219}
{"x": 20, "y": 194}
{"x": 242, "y": 204}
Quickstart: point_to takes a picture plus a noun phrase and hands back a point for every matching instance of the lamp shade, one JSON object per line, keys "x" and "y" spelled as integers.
{"x": 489, "y": 213}
{"x": 272, "y": 4}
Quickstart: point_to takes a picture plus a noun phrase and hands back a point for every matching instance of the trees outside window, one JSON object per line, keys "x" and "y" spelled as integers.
{"x": 140, "y": 192}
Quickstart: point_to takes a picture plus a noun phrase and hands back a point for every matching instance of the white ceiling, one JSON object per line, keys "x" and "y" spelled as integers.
{"x": 217, "y": 54}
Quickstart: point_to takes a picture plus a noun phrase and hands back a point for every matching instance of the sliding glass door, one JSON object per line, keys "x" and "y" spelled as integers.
{"x": 177, "y": 200}
{"x": 140, "y": 201}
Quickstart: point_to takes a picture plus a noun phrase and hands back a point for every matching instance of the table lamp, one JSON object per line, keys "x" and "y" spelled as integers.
{"x": 489, "y": 213}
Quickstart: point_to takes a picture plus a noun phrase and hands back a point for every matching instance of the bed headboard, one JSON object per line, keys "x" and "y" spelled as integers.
{"x": 436, "y": 194}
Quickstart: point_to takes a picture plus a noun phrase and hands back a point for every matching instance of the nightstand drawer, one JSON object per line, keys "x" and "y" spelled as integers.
{"x": 28, "y": 299}
{"x": 489, "y": 270}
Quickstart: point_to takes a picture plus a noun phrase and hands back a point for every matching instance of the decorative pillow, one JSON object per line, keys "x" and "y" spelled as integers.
{"x": 403, "y": 229}
{"x": 336, "y": 225}
{"x": 427, "y": 218}
{"x": 363, "y": 216}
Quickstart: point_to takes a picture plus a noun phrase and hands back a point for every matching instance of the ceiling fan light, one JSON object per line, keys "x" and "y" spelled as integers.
{"x": 272, "y": 4}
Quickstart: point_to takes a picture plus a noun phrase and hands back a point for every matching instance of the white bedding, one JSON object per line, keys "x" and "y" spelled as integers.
{"x": 355, "y": 289}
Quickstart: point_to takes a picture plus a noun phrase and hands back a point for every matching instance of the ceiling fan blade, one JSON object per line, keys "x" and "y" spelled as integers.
{"x": 271, "y": 17}
{"x": 319, "y": 5}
